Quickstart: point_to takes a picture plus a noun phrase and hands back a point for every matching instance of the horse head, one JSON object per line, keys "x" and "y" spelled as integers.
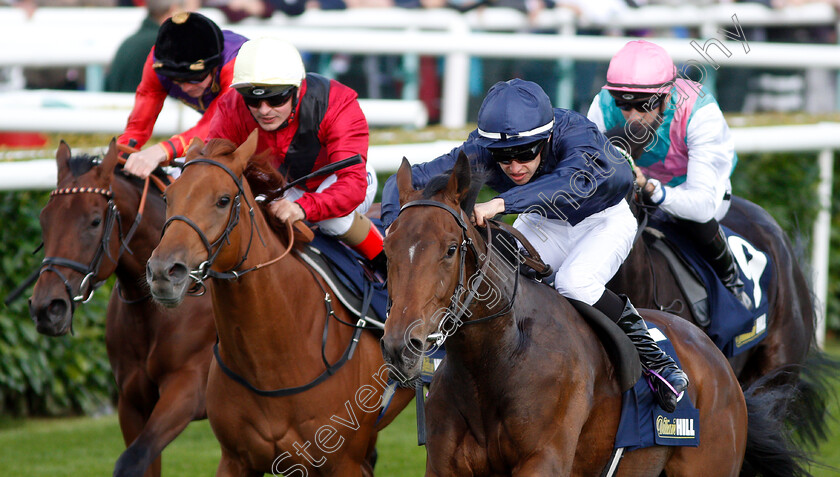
{"x": 81, "y": 241}
{"x": 203, "y": 219}
{"x": 427, "y": 249}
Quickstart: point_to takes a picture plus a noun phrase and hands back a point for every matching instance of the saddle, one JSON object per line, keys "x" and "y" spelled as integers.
{"x": 622, "y": 353}
{"x": 733, "y": 328}
{"x": 350, "y": 281}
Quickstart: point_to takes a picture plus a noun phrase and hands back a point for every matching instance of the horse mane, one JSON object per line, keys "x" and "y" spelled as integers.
{"x": 478, "y": 176}
{"x": 81, "y": 163}
{"x": 263, "y": 178}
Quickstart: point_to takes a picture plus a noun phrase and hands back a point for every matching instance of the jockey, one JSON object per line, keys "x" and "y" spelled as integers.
{"x": 686, "y": 167}
{"x": 192, "y": 61}
{"x": 306, "y": 121}
{"x": 550, "y": 166}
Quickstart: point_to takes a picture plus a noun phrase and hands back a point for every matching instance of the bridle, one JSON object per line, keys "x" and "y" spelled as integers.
{"x": 462, "y": 297}
{"x": 213, "y": 249}
{"x": 204, "y": 271}
{"x": 87, "y": 287}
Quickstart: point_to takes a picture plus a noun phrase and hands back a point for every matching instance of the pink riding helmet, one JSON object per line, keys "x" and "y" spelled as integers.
{"x": 641, "y": 67}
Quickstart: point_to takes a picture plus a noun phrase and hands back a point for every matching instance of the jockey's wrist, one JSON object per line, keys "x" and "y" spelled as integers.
{"x": 658, "y": 195}
{"x": 302, "y": 210}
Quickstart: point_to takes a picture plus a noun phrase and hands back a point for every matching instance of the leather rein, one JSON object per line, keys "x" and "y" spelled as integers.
{"x": 204, "y": 271}
{"x": 87, "y": 287}
{"x": 462, "y": 298}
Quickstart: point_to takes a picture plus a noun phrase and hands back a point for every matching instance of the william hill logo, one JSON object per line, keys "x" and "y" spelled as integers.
{"x": 674, "y": 428}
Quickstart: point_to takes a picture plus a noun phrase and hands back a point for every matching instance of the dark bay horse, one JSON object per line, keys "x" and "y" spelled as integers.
{"x": 526, "y": 387}
{"x": 282, "y": 402}
{"x": 159, "y": 357}
{"x": 649, "y": 282}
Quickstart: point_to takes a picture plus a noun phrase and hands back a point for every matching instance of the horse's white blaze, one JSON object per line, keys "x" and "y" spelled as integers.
{"x": 411, "y": 253}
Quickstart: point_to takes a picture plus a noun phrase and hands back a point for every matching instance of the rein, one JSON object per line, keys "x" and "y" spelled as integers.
{"x": 204, "y": 271}
{"x": 457, "y": 306}
{"x": 86, "y": 288}
{"x": 213, "y": 249}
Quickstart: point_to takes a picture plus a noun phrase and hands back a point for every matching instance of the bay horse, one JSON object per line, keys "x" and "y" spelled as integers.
{"x": 526, "y": 387}
{"x": 159, "y": 357}
{"x": 276, "y": 385}
{"x": 646, "y": 278}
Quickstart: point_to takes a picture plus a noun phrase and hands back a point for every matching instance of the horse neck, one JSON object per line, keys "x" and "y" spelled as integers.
{"x": 131, "y": 266}
{"x": 265, "y": 312}
{"x": 497, "y": 288}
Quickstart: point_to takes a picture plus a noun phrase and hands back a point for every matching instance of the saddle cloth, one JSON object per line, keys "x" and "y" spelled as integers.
{"x": 644, "y": 424}
{"x": 733, "y": 328}
{"x": 341, "y": 267}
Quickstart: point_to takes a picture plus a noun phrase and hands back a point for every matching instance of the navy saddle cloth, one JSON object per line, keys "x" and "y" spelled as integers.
{"x": 732, "y": 327}
{"x": 347, "y": 266}
{"x": 644, "y": 424}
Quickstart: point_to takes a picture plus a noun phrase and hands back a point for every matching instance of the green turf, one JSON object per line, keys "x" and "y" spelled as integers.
{"x": 86, "y": 447}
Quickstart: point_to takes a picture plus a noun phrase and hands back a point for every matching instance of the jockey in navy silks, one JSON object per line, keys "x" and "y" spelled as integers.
{"x": 689, "y": 155}
{"x": 568, "y": 185}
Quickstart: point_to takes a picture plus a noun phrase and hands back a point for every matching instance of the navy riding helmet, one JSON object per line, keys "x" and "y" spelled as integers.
{"x": 514, "y": 116}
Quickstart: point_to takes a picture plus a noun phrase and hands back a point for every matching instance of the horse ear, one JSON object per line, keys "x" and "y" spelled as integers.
{"x": 244, "y": 152}
{"x": 459, "y": 181}
{"x": 62, "y": 159}
{"x": 106, "y": 170}
{"x": 404, "y": 182}
{"x": 194, "y": 149}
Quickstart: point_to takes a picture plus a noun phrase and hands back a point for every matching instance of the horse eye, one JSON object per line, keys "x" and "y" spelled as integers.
{"x": 223, "y": 201}
{"x": 96, "y": 222}
{"x": 451, "y": 250}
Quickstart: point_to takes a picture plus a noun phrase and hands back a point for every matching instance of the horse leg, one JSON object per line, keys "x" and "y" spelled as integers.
{"x": 181, "y": 400}
{"x": 230, "y": 466}
{"x": 133, "y": 408}
{"x": 544, "y": 463}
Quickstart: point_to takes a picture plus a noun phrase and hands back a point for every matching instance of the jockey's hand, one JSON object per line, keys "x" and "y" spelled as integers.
{"x": 287, "y": 211}
{"x": 142, "y": 163}
{"x": 487, "y": 210}
{"x": 641, "y": 181}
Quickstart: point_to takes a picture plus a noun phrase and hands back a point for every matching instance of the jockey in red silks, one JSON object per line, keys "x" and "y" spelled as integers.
{"x": 690, "y": 154}
{"x": 192, "y": 61}
{"x": 554, "y": 168}
{"x": 306, "y": 121}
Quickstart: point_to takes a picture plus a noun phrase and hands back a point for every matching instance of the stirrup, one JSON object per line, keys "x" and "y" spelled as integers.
{"x": 666, "y": 396}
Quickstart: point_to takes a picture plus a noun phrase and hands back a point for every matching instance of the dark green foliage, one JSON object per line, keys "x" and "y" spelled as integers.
{"x": 38, "y": 374}
{"x": 786, "y": 186}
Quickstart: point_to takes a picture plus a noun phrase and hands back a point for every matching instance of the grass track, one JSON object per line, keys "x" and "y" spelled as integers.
{"x": 89, "y": 446}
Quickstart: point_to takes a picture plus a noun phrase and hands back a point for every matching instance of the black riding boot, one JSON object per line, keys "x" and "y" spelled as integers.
{"x": 668, "y": 380}
{"x": 380, "y": 264}
{"x": 720, "y": 257}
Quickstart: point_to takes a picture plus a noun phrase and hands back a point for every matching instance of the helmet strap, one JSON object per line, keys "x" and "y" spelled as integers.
{"x": 294, "y": 108}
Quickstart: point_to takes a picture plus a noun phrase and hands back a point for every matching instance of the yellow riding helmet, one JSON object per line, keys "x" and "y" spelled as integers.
{"x": 267, "y": 62}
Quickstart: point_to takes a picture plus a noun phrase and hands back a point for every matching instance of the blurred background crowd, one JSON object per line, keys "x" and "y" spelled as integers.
{"x": 746, "y": 90}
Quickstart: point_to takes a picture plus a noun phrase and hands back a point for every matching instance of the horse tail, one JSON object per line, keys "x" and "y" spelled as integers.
{"x": 807, "y": 412}
{"x": 771, "y": 449}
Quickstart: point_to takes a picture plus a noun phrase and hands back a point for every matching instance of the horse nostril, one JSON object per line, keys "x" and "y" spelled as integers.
{"x": 57, "y": 308}
{"x": 178, "y": 272}
{"x": 415, "y": 346}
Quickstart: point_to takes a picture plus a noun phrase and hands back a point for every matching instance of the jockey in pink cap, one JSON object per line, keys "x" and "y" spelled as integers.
{"x": 689, "y": 153}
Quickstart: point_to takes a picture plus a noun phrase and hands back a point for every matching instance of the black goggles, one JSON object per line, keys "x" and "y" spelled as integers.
{"x": 193, "y": 80}
{"x": 649, "y": 103}
{"x": 521, "y": 154}
{"x": 255, "y": 96}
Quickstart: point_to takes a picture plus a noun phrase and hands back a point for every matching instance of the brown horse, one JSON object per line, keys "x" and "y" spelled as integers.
{"x": 647, "y": 279}
{"x": 526, "y": 387}
{"x": 159, "y": 357}
{"x": 277, "y": 385}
